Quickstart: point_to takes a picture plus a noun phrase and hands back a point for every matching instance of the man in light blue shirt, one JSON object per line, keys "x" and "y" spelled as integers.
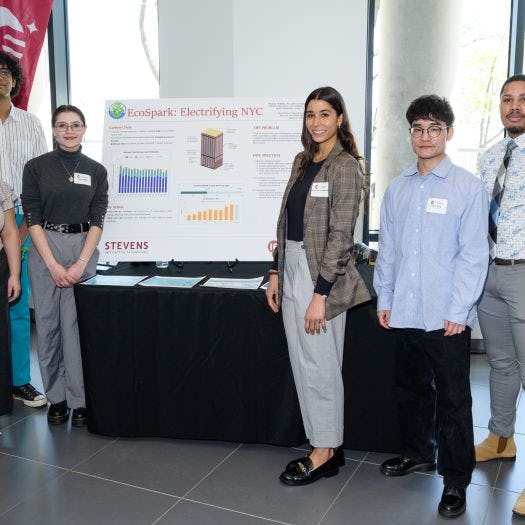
{"x": 429, "y": 275}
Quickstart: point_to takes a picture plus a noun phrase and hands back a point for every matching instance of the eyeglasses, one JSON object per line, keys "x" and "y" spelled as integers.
{"x": 4, "y": 72}
{"x": 433, "y": 131}
{"x": 75, "y": 127}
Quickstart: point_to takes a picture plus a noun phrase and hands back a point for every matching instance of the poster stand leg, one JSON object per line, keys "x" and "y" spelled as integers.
{"x": 230, "y": 265}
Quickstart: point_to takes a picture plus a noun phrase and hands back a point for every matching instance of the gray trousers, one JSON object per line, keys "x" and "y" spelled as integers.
{"x": 316, "y": 359}
{"x": 501, "y": 314}
{"x": 58, "y": 342}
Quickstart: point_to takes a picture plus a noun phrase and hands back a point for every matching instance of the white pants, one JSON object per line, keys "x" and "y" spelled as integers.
{"x": 316, "y": 359}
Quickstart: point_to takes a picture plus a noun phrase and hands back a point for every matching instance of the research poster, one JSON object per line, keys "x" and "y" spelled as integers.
{"x": 196, "y": 179}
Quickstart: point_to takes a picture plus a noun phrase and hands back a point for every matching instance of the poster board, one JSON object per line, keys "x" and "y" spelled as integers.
{"x": 197, "y": 179}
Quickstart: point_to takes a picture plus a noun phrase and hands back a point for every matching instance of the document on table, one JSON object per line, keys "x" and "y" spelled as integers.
{"x": 115, "y": 280}
{"x": 239, "y": 284}
{"x": 102, "y": 268}
{"x": 172, "y": 282}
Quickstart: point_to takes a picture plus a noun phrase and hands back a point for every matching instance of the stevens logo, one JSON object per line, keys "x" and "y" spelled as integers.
{"x": 117, "y": 110}
{"x": 126, "y": 246}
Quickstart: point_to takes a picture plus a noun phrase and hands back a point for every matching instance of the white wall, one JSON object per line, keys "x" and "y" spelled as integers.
{"x": 245, "y": 48}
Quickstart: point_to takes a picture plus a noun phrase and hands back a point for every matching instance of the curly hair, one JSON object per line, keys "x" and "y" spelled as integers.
{"x": 16, "y": 72}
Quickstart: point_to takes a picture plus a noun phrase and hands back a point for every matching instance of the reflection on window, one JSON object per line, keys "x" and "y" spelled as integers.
{"x": 466, "y": 58}
{"x": 113, "y": 54}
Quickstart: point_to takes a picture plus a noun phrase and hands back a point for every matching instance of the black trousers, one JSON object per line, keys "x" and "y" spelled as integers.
{"x": 435, "y": 405}
{"x": 6, "y": 398}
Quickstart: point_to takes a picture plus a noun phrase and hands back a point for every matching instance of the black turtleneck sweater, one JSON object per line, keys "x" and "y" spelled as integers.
{"x": 48, "y": 194}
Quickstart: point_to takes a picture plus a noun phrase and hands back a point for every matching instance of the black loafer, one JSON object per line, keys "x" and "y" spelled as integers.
{"x": 453, "y": 502}
{"x": 58, "y": 413}
{"x": 339, "y": 453}
{"x": 79, "y": 417}
{"x": 401, "y": 465}
{"x": 304, "y": 473}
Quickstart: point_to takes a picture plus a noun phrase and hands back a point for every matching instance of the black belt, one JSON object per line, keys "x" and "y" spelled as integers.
{"x": 508, "y": 262}
{"x": 66, "y": 228}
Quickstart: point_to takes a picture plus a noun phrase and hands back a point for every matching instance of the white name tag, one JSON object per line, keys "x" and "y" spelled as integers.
{"x": 435, "y": 205}
{"x": 319, "y": 189}
{"x": 82, "y": 178}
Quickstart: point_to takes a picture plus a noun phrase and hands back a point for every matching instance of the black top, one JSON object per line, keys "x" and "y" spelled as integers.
{"x": 49, "y": 191}
{"x": 295, "y": 215}
{"x": 297, "y": 200}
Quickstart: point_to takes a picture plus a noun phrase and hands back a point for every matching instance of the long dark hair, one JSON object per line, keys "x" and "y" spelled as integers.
{"x": 344, "y": 132}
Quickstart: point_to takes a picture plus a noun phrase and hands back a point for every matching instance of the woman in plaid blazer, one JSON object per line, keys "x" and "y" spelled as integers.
{"x": 314, "y": 278}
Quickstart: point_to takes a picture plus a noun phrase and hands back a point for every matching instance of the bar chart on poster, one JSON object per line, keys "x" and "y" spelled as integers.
{"x": 196, "y": 179}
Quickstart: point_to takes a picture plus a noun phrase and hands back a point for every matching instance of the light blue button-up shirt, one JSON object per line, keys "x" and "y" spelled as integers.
{"x": 433, "y": 247}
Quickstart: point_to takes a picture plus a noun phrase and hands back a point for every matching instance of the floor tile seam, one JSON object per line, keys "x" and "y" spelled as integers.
{"x": 66, "y": 469}
{"x": 37, "y": 491}
{"x": 235, "y": 511}
{"x": 166, "y": 512}
{"x": 213, "y": 470}
{"x": 497, "y": 474}
{"x": 15, "y": 422}
{"x": 487, "y": 509}
{"x": 337, "y": 496}
{"x": 499, "y": 489}
{"x": 112, "y": 442}
{"x": 123, "y": 483}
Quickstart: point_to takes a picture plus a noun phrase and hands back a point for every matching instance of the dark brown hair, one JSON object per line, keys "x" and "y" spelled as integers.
{"x": 64, "y": 108}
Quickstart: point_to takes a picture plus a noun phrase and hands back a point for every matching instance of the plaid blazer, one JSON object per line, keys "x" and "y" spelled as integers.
{"x": 329, "y": 224}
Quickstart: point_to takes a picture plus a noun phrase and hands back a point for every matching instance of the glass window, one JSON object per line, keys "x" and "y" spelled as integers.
{"x": 113, "y": 54}
{"x": 40, "y": 97}
{"x": 460, "y": 52}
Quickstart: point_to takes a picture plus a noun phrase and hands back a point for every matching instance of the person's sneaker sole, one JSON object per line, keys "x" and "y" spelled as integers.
{"x": 37, "y": 403}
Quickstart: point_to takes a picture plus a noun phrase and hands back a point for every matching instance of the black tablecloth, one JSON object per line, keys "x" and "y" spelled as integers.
{"x": 210, "y": 363}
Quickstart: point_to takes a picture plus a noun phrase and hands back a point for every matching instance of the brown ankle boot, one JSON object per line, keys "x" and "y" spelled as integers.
{"x": 496, "y": 447}
{"x": 519, "y": 506}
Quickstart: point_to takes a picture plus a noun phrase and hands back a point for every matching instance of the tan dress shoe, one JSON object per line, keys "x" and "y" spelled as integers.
{"x": 496, "y": 447}
{"x": 519, "y": 506}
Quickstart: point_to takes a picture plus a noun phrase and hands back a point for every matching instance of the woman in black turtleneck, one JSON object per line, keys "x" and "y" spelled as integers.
{"x": 64, "y": 196}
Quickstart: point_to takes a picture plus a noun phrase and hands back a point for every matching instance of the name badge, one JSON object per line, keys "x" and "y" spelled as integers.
{"x": 319, "y": 189}
{"x": 435, "y": 205}
{"x": 82, "y": 178}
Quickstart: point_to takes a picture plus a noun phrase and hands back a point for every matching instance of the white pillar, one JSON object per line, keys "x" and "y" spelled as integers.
{"x": 417, "y": 54}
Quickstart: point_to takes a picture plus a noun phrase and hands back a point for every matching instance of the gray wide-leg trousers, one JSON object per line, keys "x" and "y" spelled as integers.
{"x": 56, "y": 320}
{"x": 316, "y": 359}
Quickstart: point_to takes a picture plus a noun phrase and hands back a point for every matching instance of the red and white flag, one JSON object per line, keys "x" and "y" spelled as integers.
{"x": 23, "y": 25}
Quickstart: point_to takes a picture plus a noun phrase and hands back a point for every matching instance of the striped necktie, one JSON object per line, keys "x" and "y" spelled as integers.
{"x": 497, "y": 195}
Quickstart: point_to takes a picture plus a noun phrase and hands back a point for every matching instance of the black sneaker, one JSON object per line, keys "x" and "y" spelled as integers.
{"x": 29, "y": 395}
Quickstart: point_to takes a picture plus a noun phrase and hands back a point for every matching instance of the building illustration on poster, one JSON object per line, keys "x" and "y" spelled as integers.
{"x": 211, "y": 148}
